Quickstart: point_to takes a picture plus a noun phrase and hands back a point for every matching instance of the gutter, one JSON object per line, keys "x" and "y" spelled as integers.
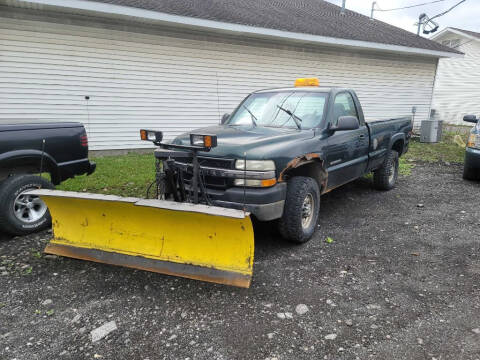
{"x": 111, "y": 9}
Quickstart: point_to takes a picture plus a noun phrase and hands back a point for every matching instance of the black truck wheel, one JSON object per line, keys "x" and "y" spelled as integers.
{"x": 471, "y": 173}
{"x": 385, "y": 177}
{"x": 22, "y": 214}
{"x": 300, "y": 214}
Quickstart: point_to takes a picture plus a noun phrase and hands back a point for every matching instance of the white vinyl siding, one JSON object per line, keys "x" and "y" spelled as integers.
{"x": 457, "y": 87}
{"x": 178, "y": 83}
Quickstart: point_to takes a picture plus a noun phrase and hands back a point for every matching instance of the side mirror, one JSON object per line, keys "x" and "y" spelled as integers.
{"x": 225, "y": 118}
{"x": 346, "y": 123}
{"x": 470, "y": 118}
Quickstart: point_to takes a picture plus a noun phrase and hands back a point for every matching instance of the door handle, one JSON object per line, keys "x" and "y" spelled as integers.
{"x": 361, "y": 136}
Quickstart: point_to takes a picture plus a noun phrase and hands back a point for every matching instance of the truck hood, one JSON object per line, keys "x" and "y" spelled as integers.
{"x": 257, "y": 142}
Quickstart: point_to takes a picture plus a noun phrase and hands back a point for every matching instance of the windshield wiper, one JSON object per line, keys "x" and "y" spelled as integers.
{"x": 294, "y": 117}
{"x": 254, "y": 118}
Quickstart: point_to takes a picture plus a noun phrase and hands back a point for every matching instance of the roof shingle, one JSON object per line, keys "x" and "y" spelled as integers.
{"x": 315, "y": 17}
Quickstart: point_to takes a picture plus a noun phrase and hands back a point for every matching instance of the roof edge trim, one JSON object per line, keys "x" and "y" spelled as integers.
{"x": 235, "y": 28}
{"x": 455, "y": 31}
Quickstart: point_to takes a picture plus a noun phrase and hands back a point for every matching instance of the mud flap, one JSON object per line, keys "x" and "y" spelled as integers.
{"x": 193, "y": 241}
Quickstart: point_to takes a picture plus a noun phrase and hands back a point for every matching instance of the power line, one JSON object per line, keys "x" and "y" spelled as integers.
{"x": 410, "y": 6}
{"x": 446, "y": 11}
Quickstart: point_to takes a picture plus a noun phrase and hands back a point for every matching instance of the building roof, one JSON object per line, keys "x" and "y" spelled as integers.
{"x": 467, "y": 33}
{"x": 305, "y": 20}
{"x": 471, "y": 33}
{"x": 315, "y": 17}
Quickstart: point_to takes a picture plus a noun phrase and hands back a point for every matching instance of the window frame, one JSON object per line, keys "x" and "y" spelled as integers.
{"x": 353, "y": 102}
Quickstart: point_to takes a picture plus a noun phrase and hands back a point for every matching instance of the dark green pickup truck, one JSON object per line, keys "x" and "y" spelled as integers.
{"x": 282, "y": 148}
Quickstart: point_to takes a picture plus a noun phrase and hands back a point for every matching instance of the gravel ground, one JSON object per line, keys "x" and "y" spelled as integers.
{"x": 400, "y": 280}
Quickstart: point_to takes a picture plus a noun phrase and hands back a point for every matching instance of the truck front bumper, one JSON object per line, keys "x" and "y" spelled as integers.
{"x": 264, "y": 203}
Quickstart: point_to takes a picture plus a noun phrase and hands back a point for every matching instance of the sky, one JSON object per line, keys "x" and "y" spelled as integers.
{"x": 466, "y": 16}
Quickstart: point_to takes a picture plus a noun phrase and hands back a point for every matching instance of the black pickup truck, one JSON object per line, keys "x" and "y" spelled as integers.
{"x": 282, "y": 148}
{"x": 59, "y": 149}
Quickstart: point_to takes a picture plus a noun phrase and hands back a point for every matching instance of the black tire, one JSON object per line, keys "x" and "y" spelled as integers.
{"x": 291, "y": 226}
{"x": 385, "y": 177}
{"x": 471, "y": 174}
{"x": 10, "y": 189}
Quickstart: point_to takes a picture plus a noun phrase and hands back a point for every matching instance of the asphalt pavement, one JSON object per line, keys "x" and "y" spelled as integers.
{"x": 400, "y": 280}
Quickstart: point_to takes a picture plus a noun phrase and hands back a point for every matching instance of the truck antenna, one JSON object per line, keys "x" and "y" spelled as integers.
{"x": 42, "y": 156}
{"x": 244, "y": 182}
{"x": 88, "y": 113}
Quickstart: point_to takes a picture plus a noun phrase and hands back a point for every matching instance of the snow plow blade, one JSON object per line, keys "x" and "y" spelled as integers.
{"x": 194, "y": 241}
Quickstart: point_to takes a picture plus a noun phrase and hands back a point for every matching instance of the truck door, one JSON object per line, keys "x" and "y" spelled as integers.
{"x": 346, "y": 151}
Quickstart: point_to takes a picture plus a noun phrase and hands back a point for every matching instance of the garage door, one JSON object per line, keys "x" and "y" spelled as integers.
{"x": 116, "y": 82}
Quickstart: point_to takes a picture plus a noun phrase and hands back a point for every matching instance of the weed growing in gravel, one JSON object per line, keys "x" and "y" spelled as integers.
{"x": 36, "y": 254}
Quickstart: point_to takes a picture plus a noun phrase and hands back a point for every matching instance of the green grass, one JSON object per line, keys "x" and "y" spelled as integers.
{"x": 445, "y": 151}
{"x": 124, "y": 175}
{"x": 130, "y": 175}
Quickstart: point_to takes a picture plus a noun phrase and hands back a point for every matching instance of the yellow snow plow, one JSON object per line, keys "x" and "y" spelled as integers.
{"x": 183, "y": 237}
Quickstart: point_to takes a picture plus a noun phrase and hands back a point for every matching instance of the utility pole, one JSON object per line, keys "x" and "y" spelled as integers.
{"x": 373, "y": 9}
{"x": 420, "y": 22}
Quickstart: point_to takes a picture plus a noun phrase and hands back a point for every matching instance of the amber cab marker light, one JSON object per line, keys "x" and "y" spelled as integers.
{"x": 307, "y": 82}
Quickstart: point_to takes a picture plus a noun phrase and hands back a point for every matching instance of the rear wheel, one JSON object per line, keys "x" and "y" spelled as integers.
{"x": 300, "y": 214}
{"x": 385, "y": 177}
{"x": 21, "y": 213}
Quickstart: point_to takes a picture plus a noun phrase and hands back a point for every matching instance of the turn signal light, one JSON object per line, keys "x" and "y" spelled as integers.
{"x": 269, "y": 182}
{"x": 307, "y": 82}
{"x": 472, "y": 141}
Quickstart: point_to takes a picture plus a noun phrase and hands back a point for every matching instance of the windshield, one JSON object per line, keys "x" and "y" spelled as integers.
{"x": 295, "y": 109}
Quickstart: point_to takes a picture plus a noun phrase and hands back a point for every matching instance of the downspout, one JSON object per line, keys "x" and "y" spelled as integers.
{"x": 433, "y": 87}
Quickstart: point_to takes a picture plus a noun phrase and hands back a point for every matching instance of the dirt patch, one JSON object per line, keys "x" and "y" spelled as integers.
{"x": 399, "y": 281}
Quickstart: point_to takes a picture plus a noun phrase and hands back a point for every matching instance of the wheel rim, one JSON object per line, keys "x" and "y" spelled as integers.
{"x": 307, "y": 210}
{"x": 29, "y": 208}
{"x": 393, "y": 169}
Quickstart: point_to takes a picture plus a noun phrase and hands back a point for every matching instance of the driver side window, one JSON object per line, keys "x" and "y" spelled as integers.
{"x": 343, "y": 106}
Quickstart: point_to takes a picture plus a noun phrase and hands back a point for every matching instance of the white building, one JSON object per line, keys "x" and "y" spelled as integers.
{"x": 165, "y": 64}
{"x": 457, "y": 87}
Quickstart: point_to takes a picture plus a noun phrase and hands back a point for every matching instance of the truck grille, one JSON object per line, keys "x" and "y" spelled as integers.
{"x": 216, "y": 163}
{"x": 211, "y": 181}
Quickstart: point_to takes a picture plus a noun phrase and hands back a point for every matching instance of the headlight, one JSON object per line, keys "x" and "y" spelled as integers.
{"x": 255, "y": 165}
{"x": 474, "y": 141}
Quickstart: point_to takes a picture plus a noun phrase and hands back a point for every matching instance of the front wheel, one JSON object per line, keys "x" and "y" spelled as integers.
{"x": 21, "y": 213}
{"x": 470, "y": 173}
{"x": 300, "y": 214}
{"x": 385, "y": 177}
